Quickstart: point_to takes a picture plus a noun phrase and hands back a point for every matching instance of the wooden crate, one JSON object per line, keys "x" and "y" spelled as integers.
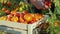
{"x": 23, "y": 28}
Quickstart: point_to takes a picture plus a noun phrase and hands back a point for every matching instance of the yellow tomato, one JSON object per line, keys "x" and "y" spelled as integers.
{"x": 3, "y": 18}
{"x": 14, "y": 19}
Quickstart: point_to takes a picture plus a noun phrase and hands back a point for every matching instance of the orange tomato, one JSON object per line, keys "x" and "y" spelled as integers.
{"x": 28, "y": 17}
{"x": 33, "y": 15}
{"x": 21, "y": 19}
{"x": 56, "y": 24}
{"x": 38, "y": 16}
{"x": 8, "y": 18}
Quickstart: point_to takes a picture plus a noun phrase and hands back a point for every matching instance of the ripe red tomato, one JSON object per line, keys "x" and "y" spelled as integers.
{"x": 17, "y": 14}
{"x": 7, "y": 11}
{"x": 47, "y": 4}
{"x": 9, "y": 4}
{"x": 4, "y": 9}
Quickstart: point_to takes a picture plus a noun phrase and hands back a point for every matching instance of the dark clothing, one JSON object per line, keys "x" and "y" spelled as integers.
{"x": 39, "y": 10}
{"x": 35, "y": 10}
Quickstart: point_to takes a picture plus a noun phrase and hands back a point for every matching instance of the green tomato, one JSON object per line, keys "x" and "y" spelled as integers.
{"x": 26, "y": 5}
{"x": 20, "y": 9}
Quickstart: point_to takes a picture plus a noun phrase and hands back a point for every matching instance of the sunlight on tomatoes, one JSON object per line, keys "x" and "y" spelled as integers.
{"x": 14, "y": 19}
{"x": 3, "y": 18}
{"x": 38, "y": 16}
{"x": 28, "y": 17}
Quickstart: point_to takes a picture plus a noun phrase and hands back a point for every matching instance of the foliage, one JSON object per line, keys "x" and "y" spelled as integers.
{"x": 23, "y": 6}
{"x": 57, "y": 6}
{"x": 2, "y": 13}
{"x": 53, "y": 19}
